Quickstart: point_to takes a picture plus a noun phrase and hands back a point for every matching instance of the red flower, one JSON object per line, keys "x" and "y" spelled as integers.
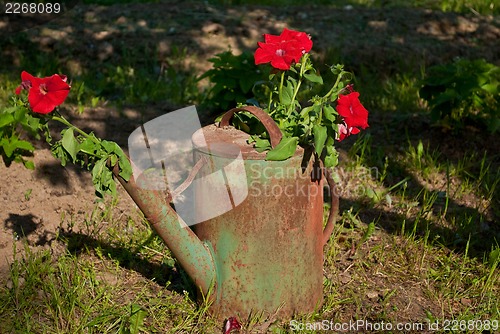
{"x": 304, "y": 40}
{"x": 353, "y": 112}
{"x": 231, "y": 324}
{"x": 44, "y": 94}
{"x": 345, "y": 131}
{"x": 281, "y": 51}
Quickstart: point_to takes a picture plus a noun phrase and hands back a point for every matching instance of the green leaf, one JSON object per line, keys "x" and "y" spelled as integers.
{"x": 11, "y": 146}
{"x": 24, "y": 145}
{"x": 113, "y": 159}
{"x": 305, "y": 111}
{"x": 329, "y": 113}
{"x": 70, "y": 143}
{"x": 29, "y": 164}
{"x": 490, "y": 88}
{"x": 420, "y": 150}
{"x": 246, "y": 85}
{"x": 287, "y": 94}
{"x": 320, "y": 134}
{"x": 116, "y": 155}
{"x": 284, "y": 150}
{"x": 369, "y": 231}
{"x": 332, "y": 159}
{"x": 7, "y": 146}
{"x": 20, "y": 114}
{"x": 6, "y": 119}
{"x": 136, "y": 319}
{"x": 109, "y": 146}
{"x": 261, "y": 144}
{"x": 102, "y": 178}
{"x": 59, "y": 153}
{"x": 33, "y": 123}
{"x": 313, "y": 77}
{"x": 494, "y": 258}
{"x": 125, "y": 167}
{"x": 88, "y": 146}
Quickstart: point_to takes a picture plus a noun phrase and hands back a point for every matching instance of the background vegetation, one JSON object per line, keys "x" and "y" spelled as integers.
{"x": 418, "y": 236}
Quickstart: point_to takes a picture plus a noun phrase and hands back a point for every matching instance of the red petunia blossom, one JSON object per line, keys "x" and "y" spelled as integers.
{"x": 44, "y": 94}
{"x": 231, "y": 324}
{"x": 345, "y": 131}
{"x": 304, "y": 40}
{"x": 353, "y": 112}
{"x": 281, "y": 51}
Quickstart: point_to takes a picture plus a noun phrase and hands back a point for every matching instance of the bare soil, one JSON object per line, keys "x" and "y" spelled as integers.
{"x": 33, "y": 204}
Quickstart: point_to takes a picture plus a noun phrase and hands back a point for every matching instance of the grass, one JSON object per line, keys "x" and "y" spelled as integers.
{"x": 417, "y": 240}
{"x": 484, "y": 7}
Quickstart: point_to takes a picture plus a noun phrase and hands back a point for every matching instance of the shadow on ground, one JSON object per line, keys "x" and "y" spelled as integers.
{"x": 171, "y": 275}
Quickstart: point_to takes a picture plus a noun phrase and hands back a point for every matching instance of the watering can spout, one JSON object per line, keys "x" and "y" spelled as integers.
{"x": 194, "y": 256}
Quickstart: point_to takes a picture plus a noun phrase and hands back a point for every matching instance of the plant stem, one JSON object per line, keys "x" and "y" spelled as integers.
{"x": 281, "y": 82}
{"x": 299, "y": 82}
{"x": 63, "y": 120}
{"x": 339, "y": 77}
{"x": 270, "y": 107}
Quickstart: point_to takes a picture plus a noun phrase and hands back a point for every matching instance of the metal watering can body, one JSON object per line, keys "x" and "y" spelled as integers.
{"x": 263, "y": 253}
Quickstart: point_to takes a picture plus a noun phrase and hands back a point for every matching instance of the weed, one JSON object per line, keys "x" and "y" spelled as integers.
{"x": 463, "y": 92}
{"x": 232, "y": 80}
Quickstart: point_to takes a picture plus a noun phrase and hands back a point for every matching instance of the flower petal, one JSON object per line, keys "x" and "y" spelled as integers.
{"x": 47, "y": 93}
{"x": 351, "y": 109}
{"x": 283, "y": 50}
{"x": 280, "y": 63}
{"x": 304, "y": 40}
{"x": 25, "y": 76}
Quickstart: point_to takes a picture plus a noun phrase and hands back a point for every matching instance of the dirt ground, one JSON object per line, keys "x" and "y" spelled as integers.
{"x": 34, "y": 203}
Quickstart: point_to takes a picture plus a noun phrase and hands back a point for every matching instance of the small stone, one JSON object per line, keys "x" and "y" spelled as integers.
{"x": 105, "y": 51}
{"x": 372, "y": 295}
{"x": 121, "y": 20}
{"x": 344, "y": 278}
{"x": 465, "y": 301}
{"x": 213, "y": 28}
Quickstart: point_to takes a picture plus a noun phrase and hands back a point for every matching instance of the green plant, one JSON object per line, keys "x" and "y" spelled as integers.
{"x": 464, "y": 91}
{"x": 15, "y": 125}
{"x": 33, "y": 113}
{"x": 475, "y": 6}
{"x": 235, "y": 79}
{"x": 287, "y": 96}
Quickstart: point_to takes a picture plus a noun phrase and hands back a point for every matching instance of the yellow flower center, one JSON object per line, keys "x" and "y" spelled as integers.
{"x": 43, "y": 89}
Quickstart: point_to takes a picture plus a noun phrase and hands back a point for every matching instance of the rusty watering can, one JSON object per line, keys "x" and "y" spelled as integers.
{"x": 264, "y": 253}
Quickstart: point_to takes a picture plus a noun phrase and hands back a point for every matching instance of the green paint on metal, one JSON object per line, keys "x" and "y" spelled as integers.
{"x": 192, "y": 254}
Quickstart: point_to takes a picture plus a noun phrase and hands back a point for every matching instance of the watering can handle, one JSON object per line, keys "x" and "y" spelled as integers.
{"x": 266, "y": 120}
{"x": 334, "y": 208}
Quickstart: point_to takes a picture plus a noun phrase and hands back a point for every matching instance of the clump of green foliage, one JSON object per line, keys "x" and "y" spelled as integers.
{"x": 462, "y": 92}
{"x": 15, "y": 125}
{"x": 234, "y": 79}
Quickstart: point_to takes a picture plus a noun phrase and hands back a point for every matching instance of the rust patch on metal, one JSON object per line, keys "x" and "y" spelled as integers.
{"x": 334, "y": 206}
